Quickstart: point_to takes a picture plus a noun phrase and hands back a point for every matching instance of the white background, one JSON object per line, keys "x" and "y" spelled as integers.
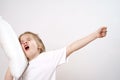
{"x": 60, "y": 22}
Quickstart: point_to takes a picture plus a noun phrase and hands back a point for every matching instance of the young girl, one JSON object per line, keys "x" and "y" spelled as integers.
{"x": 42, "y": 65}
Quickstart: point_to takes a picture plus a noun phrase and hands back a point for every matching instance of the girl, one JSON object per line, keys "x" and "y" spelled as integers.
{"x": 42, "y": 65}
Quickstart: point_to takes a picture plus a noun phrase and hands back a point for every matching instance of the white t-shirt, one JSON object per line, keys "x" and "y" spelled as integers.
{"x": 43, "y": 67}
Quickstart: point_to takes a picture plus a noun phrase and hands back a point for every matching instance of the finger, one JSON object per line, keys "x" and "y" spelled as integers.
{"x": 104, "y": 27}
{"x": 104, "y": 34}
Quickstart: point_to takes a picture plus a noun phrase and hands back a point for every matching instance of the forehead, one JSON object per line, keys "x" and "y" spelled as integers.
{"x": 26, "y": 36}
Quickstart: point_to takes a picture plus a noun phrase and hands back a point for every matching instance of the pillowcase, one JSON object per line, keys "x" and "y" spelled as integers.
{"x": 12, "y": 48}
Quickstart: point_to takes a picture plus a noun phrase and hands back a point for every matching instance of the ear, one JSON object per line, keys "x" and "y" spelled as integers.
{"x": 40, "y": 49}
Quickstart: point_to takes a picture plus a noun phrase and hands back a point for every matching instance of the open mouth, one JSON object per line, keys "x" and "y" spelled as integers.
{"x": 26, "y": 48}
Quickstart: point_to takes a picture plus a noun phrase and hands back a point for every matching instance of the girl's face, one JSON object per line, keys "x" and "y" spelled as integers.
{"x": 29, "y": 46}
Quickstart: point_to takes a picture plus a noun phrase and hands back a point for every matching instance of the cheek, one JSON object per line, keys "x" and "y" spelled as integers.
{"x": 34, "y": 44}
{"x": 34, "y": 47}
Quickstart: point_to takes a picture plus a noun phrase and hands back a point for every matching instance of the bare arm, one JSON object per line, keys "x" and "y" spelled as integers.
{"x": 100, "y": 33}
{"x": 8, "y": 75}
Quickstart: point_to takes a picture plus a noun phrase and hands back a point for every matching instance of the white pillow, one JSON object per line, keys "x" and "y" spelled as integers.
{"x": 10, "y": 44}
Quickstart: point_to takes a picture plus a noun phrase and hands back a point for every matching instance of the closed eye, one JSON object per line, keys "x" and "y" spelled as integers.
{"x": 21, "y": 42}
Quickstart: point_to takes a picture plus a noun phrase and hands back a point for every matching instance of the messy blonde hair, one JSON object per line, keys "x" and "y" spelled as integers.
{"x": 37, "y": 39}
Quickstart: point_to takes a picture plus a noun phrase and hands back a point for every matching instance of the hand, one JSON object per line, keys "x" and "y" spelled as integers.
{"x": 101, "y": 32}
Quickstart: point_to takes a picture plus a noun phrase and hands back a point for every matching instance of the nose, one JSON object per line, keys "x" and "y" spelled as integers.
{"x": 25, "y": 42}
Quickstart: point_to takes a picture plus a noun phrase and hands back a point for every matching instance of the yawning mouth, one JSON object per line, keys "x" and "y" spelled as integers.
{"x": 26, "y": 48}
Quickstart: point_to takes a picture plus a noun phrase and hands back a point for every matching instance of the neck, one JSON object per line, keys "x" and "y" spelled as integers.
{"x": 33, "y": 56}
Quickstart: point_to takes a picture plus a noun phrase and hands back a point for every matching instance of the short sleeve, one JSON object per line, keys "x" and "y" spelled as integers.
{"x": 59, "y": 56}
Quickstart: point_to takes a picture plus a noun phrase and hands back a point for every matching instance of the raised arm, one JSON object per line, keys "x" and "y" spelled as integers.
{"x": 8, "y": 75}
{"x": 100, "y": 33}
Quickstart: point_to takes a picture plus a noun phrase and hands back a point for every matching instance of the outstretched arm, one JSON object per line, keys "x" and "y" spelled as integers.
{"x": 100, "y": 33}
